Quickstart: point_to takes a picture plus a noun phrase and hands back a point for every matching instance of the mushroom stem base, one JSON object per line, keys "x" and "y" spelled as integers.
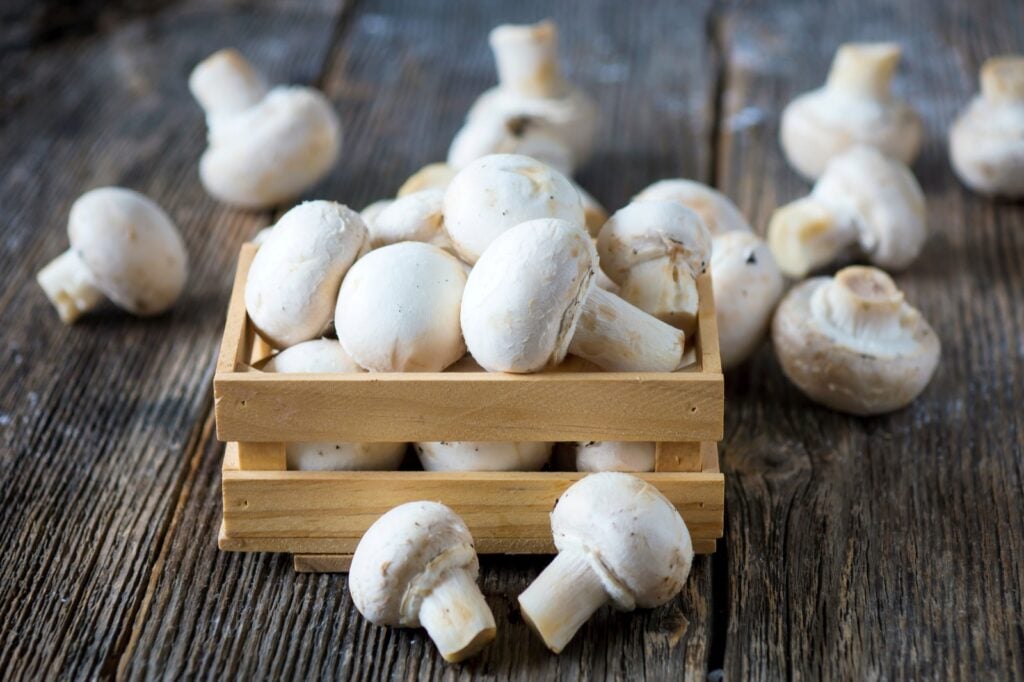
{"x": 456, "y": 617}
{"x": 620, "y": 337}
{"x": 69, "y": 285}
{"x": 562, "y": 598}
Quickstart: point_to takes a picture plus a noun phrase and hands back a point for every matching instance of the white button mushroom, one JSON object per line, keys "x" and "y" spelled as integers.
{"x": 327, "y": 356}
{"x": 500, "y": 191}
{"x": 124, "y": 247}
{"x": 986, "y": 142}
{"x": 512, "y": 134}
{"x": 431, "y": 176}
{"x": 266, "y": 145}
{"x": 612, "y": 455}
{"x": 619, "y": 541}
{"x": 747, "y": 284}
{"x": 482, "y": 456}
{"x": 371, "y": 211}
{"x": 416, "y": 217}
{"x": 863, "y": 201}
{"x": 854, "y": 107}
{"x": 294, "y": 277}
{"x": 654, "y": 250}
{"x": 398, "y": 309}
{"x": 417, "y": 566}
{"x": 530, "y": 300}
{"x": 714, "y": 208}
{"x": 853, "y": 344}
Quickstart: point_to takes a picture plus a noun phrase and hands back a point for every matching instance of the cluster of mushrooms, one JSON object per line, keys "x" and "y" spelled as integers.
{"x": 498, "y": 252}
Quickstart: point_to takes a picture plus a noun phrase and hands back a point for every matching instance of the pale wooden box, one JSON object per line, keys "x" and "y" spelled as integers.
{"x": 320, "y": 516}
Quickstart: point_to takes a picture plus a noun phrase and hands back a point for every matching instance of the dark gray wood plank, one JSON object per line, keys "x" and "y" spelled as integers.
{"x": 887, "y": 547}
{"x": 98, "y": 420}
{"x": 403, "y": 79}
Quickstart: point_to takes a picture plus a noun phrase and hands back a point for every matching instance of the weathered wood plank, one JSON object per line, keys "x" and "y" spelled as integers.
{"x": 404, "y": 76}
{"x": 891, "y": 547}
{"x": 97, "y": 420}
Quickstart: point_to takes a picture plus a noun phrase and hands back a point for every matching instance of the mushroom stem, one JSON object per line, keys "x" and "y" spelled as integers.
{"x": 68, "y": 284}
{"x": 456, "y": 616}
{"x": 658, "y": 287}
{"x": 562, "y": 598}
{"x": 806, "y": 235}
{"x": 863, "y": 302}
{"x": 527, "y": 59}
{"x": 620, "y": 337}
{"x": 864, "y": 69}
{"x": 226, "y": 83}
{"x": 1002, "y": 79}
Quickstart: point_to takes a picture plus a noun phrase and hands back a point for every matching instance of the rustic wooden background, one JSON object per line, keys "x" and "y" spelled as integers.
{"x": 855, "y": 548}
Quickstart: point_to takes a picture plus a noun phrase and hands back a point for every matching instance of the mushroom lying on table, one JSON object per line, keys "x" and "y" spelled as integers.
{"x": 853, "y": 344}
{"x": 986, "y": 143}
{"x": 855, "y": 107}
{"x": 863, "y": 202}
{"x": 619, "y": 541}
{"x": 482, "y": 456}
{"x": 294, "y": 277}
{"x": 530, "y": 300}
{"x": 327, "y": 356}
{"x": 123, "y": 247}
{"x": 417, "y": 566}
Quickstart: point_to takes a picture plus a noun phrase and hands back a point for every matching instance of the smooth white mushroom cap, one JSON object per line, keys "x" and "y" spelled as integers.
{"x": 854, "y": 107}
{"x": 402, "y": 556}
{"x": 398, "y": 309}
{"x": 500, "y": 134}
{"x": 431, "y": 176}
{"x": 131, "y": 248}
{"x": 986, "y": 142}
{"x": 415, "y": 217}
{"x": 852, "y": 342}
{"x": 370, "y": 212}
{"x": 612, "y": 455}
{"x": 714, "y": 208}
{"x": 499, "y": 191}
{"x": 524, "y": 295}
{"x": 747, "y": 285}
{"x": 482, "y": 456}
{"x": 313, "y": 357}
{"x": 634, "y": 538}
{"x": 294, "y": 277}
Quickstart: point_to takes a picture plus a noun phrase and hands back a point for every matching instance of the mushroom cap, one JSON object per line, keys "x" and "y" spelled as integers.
{"x": 986, "y": 141}
{"x": 524, "y": 297}
{"x": 402, "y": 556}
{"x": 432, "y": 176}
{"x": 398, "y": 309}
{"x": 635, "y": 539}
{"x": 415, "y": 217}
{"x": 273, "y": 151}
{"x": 876, "y": 364}
{"x": 499, "y": 191}
{"x": 648, "y": 230}
{"x": 134, "y": 252}
{"x": 294, "y": 277}
{"x": 881, "y": 196}
{"x": 613, "y": 455}
{"x": 714, "y": 208}
{"x": 482, "y": 456}
{"x": 747, "y": 284}
{"x": 313, "y": 357}
{"x": 502, "y": 134}
{"x": 853, "y": 108}
{"x": 370, "y": 212}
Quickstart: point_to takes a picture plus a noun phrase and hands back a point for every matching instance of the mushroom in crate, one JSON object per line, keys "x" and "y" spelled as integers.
{"x": 482, "y": 456}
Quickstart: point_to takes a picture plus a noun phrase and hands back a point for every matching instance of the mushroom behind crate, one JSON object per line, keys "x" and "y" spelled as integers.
{"x": 609, "y": 455}
{"x": 482, "y": 456}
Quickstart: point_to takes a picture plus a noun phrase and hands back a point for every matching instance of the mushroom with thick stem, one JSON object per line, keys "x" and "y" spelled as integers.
{"x": 853, "y": 344}
{"x": 619, "y": 541}
{"x": 398, "y": 309}
{"x": 482, "y": 456}
{"x": 864, "y": 202}
{"x": 417, "y": 566}
{"x": 327, "y": 356}
{"x": 500, "y": 191}
{"x": 986, "y": 143}
{"x": 610, "y": 455}
{"x": 294, "y": 277}
{"x": 530, "y": 299}
{"x": 747, "y": 285}
{"x": 655, "y": 250}
{"x": 718, "y": 212}
{"x": 123, "y": 247}
{"x": 855, "y": 107}
{"x": 265, "y": 145}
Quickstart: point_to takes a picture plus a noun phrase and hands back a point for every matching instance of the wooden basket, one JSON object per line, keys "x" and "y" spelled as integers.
{"x": 320, "y": 516}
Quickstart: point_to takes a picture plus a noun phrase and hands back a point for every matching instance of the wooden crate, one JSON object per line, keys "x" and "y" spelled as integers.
{"x": 320, "y": 516}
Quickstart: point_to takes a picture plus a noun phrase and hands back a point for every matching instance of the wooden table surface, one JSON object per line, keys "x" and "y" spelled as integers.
{"x": 855, "y": 548}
